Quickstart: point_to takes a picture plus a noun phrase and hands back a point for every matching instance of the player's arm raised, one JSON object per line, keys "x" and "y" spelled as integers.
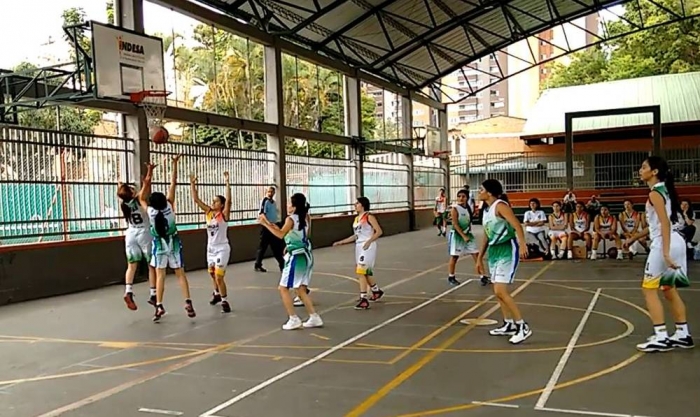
{"x": 195, "y": 195}
{"x": 227, "y": 206}
{"x": 173, "y": 180}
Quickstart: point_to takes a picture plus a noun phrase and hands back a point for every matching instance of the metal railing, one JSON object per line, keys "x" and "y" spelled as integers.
{"x": 58, "y": 186}
{"x": 328, "y": 184}
{"x": 386, "y": 185}
{"x": 250, "y": 174}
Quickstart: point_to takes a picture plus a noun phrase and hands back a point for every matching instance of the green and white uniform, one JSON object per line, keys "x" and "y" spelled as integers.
{"x": 456, "y": 245}
{"x": 137, "y": 240}
{"x": 656, "y": 273}
{"x": 298, "y": 262}
{"x": 503, "y": 252}
{"x": 167, "y": 252}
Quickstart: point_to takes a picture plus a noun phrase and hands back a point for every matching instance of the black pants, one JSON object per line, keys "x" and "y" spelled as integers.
{"x": 276, "y": 244}
{"x": 688, "y": 233}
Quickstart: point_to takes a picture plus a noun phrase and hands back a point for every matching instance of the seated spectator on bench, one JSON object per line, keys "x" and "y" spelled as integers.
{"x": 687, "y": 220}
{"x": 631, "y": 223}
{"x": 579, "y": 224}
{"x": 569, "y": 202}
{"x": 535, "y": 222}
{"x": 557, "y": 231}
{"x": 605, "y": 227}
{"x": 593, "y": 206}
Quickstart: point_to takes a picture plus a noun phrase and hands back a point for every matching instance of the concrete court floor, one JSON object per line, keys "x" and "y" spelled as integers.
{"x": 87, "y": 355}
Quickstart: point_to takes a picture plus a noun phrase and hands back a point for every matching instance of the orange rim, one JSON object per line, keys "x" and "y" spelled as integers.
{"x": 138, "y": 97}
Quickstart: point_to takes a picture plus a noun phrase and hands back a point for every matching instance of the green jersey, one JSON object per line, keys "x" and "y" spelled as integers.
{"x": 463, "y": 222}
{"x": 499, "y": 234}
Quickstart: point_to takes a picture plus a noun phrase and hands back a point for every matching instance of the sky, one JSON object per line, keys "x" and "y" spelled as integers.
{"x": 26, "y": 35}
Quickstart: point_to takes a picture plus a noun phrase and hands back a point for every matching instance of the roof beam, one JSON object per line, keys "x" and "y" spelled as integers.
{"x": 237, "y": 27}
{"x": 340, "y": 32}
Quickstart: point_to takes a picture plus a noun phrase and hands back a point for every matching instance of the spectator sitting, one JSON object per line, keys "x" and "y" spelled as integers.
{"x": 605, "y": 227}
{"x": 579, "y": 224}
{"x": 631, "y": 223}
{"x": 557, "y": 231}
{"x": 687, "y": 220}
{"x": 535, "y": 221}
{"x": 569, "y": 201}
{"x": 593, "y": 206}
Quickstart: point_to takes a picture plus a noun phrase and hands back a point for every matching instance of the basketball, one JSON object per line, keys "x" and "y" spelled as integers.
{"x": 612, "y": 253}
{"x": 161, "y": 135}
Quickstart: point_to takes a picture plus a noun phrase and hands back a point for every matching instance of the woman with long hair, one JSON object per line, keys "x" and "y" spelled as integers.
{"x": 579, "y": 226}
{"x": 604, "y": 228}
{"x": 218, "y": 248}
{"x": 666, "y": 268}
{"x": 557, "y": 231}
{"x": 461, "y": 240}
{"x": 137, "y": 240}
{"x": 504, "y": 244}
{"x": 366, "y": 232}
{"x": 630, "y": 223}
{"x": 298, "y": 264}
{"x": 535, "y": 221}
{"x": 167, "y": 246}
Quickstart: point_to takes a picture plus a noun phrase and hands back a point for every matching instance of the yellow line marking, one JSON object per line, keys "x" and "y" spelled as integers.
{"x": 302, "y": 358}
{"x": 119, "y": 345}
{"x": 509, "y": 398}
{"x": 318, "y": 336}
{"x": 413, "y": 369}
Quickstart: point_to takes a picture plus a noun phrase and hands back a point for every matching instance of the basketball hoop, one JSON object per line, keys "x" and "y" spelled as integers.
{"x": 154, "y": 103}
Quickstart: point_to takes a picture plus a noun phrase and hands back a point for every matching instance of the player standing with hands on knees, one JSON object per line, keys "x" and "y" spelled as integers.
{"x": 666, "y": 268}
{"x": 504, "y": 245}
{"x": 367, "y": 231}
{"x": 218, "y": 249}
{"x": 137, "y": 240}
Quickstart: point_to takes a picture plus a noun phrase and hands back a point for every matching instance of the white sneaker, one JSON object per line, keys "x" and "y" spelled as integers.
{"x": 521, "y": 334}
{"x": 655, "y": 344}
{"x": 594, "y": 255}
{"x": 292, "y": 324}
{"x": 507, "y": 329}
{"x": 313, "y": 321}
{"x": 569, "y": 255}
{"x": 298, "y": 302}
{"x": 620, "y": 256}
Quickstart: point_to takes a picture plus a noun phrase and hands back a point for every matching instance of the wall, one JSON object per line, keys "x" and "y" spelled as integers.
{"x": 612, "y": 145}
{"x": 637, "y": 195}
{"x": 44, "y": 270}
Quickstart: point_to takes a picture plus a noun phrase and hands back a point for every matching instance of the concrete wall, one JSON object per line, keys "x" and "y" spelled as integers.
{"x": 44, "y": 270}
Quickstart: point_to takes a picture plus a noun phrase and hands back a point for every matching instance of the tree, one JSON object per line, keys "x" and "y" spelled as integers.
{"x": 666, "y": 49}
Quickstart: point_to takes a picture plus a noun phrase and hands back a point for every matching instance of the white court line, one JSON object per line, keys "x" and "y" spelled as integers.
{"x": 495, "y": 404}
{"x": 328, "y": 352}
{"x": 163, "y": 412}
{"x": 567, "y": 354}
{"x": 587, "y": 413}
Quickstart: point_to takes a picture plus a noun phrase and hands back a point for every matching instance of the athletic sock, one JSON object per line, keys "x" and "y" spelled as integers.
{"x": 153, "y": 291}
{"x": 129, "y": 288}
{"x": 660, "y": 331}
{"x": 363, "y": 295}
{"x": 216, "y": 292}
{"x": 682, "y": 330}
{"x": 375, "y": 288}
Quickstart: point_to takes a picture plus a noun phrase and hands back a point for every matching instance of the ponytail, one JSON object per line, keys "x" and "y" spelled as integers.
{"x": 673, "y": 195}
{"x": 161, "y": 226}
{"x": 302, "y": 212}
{"x": 126, "y": 211}
{"x": 504, "y": 197}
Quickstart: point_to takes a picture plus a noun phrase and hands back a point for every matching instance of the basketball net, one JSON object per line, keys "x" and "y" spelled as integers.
{"x": 154, "y": 104}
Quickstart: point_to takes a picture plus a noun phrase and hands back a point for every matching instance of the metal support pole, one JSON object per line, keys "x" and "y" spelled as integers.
{"x": 274, "y": 113}
{"x": 353, "y": 129}
{"x": 569, "y": 146}
{"x": 407, "y": 132}
{"x": 444, "y": 145}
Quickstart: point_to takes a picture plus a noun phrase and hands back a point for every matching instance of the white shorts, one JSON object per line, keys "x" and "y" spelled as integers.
{"x": 656, "y": 268}
{"x": 298, "y": 267}
{"x": 365, "y": 259}
{"x": 218, "y": 256}
{"x": 503, "y": 262}
{"x": 170, "y": 258}
{"x": 138, "y": 247}
{"x": 456, "y": 246}
{"x": 557, "y": 234}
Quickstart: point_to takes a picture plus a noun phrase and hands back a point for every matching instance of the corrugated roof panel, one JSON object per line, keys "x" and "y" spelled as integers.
{"x": 677, "y": 94}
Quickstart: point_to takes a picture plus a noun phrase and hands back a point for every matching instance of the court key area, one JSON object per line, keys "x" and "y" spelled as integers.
{"x": 409, "y": 355}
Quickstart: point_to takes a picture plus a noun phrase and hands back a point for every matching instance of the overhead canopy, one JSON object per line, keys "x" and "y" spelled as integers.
{"x": 676, "y": 94}
{"x": 411, "y": 43}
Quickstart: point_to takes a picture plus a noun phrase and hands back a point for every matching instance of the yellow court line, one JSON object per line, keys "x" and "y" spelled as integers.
{"x": 370, "y": 401}
{"x": 509, "y": 398}
{"x": 318, "y": 336}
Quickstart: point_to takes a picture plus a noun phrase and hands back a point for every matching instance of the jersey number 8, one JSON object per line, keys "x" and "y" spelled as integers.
{"x": 136, "y": 218}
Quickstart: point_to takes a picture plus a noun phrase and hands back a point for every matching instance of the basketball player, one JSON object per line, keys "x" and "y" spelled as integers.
{"x": 440, "y": 212}
{"x": 367, "y": 231}
{"x": 218, "y": 249}
{"x": 137, "y": 239}
{"x": 605, "y": 227}
{"x": 167, "y": 246}
{"x": 461, "y": 241}
{"x": 630, "y": 223}
{"x": 666, "y": 267}
{"x": 557, "y": 231}
{"x": 298, "y": 264}
{"x": 579, "y": 226}
{"x": 504, "y": 245}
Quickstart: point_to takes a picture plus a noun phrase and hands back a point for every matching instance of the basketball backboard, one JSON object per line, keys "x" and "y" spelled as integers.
{"x": 432, "y": 141}
{"x": 125, "y": 62}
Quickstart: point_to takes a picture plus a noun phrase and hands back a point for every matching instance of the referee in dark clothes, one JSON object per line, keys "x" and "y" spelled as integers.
{"x": 269, "y": 209}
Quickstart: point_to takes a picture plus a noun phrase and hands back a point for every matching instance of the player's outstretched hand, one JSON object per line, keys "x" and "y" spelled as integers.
{"x": 226, "y": 177}
{"x": 193, "y": 179}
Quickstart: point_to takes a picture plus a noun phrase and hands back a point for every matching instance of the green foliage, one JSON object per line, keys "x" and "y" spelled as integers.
{"x": 666, "y": 49}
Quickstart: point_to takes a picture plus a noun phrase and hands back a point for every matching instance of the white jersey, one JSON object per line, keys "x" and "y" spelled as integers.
{"x": 630, "y": 220}
{"x": 605, "y": 223}
{"x": 363, "y": 229}
{"x": 217, "y": 229}
{"x": 440, "y": 204}
{"x": 558, "y": 221}
{"x": 138, "y": 222}
{"x": 652, "y": 219}
{"x": 580, "y": 221}
{"x": 169, "y": 216}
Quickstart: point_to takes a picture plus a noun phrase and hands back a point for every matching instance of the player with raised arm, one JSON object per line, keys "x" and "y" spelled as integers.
{"x": 137, "y": 240}
{"x": 366, "y": 231}
{"x": 666, "y": 268}
{"x": 218, "y": 249}
{"x": 167, "y": 246}
{"x": 504, "y": 245}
